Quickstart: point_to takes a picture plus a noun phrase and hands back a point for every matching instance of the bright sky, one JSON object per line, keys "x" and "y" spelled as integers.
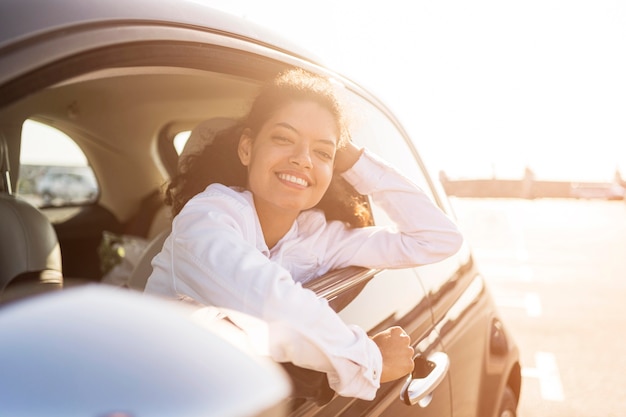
{"x": 486, "y": 86}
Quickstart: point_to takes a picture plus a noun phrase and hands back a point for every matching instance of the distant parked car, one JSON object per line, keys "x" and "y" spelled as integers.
{"x": 60, "y": 186}
{"x": 122, "y": 79}
{"x": 605, "y": 191}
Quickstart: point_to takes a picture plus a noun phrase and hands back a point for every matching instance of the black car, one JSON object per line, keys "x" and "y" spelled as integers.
{"x": 127, "y": 81}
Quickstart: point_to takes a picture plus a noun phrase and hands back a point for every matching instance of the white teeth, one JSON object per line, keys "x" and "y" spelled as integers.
{"x": 293, "y": 179}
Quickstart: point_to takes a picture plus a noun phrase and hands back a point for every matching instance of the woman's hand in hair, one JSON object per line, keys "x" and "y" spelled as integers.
{"x": 397, "y": 353}
{"x": 347, "y": 156}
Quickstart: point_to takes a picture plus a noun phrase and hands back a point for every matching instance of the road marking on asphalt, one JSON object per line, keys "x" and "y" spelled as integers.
{"x": 547, "y": 372}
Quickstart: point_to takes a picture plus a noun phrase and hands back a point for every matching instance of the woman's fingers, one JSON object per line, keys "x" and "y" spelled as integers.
{"x": 397, "y": 353}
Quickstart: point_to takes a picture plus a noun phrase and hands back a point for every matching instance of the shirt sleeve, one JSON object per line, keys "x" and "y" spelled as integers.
{"x": 423, "y": 233}
{"x": 214, "y": 263}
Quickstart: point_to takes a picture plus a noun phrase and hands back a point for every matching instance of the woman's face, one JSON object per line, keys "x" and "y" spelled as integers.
{"x": 290, "y": 161}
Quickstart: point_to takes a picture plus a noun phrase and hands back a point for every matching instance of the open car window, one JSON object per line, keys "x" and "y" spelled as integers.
{"x": 376, "y": 299}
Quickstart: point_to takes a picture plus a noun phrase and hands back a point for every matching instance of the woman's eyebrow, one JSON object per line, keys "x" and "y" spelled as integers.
{"x": 286, "y": 125}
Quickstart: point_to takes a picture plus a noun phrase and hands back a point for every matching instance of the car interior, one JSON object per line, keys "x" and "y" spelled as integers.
{"x": 125, "y": 120}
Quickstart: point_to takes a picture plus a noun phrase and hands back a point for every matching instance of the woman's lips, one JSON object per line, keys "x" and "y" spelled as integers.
{"x": 293, "y": 179}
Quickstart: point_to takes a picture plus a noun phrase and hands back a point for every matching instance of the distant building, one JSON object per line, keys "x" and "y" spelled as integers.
{"x": 529, "y": 187}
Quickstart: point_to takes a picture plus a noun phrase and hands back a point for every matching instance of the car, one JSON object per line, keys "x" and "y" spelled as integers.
{"x": 594, "y": 190}
{"x": 64, "y": 186}
{"x": 127, "y": 82}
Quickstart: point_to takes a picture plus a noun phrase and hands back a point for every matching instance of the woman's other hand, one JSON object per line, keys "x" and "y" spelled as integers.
{"x": 397, "y": 353}
{"x": 347, "y": 156}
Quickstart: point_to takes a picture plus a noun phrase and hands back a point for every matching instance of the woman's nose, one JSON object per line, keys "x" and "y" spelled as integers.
{"x": 301, "y": 157}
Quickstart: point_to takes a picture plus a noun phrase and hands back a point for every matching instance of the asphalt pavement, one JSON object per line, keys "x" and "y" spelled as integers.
{"x": 557, "y": 270}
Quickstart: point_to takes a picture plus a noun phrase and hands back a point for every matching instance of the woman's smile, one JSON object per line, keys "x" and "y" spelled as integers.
{"x": 293, "y": 179}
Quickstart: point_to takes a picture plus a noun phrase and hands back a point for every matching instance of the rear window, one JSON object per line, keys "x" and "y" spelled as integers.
{"x": 53, "y": 169}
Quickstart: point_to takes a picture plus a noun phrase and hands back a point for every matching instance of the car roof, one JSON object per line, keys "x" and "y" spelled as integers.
{"x": 21, "y": 20}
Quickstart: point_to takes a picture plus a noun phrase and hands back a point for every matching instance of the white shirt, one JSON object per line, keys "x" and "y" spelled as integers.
{"x": 216, "y": 254}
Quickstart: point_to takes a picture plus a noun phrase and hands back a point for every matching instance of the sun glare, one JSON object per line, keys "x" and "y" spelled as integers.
{"x": 486, "y": 88}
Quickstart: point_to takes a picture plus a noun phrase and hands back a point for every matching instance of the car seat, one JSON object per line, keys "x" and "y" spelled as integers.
{"x": 200, "y": 136}
{"x": 30, "y": 255}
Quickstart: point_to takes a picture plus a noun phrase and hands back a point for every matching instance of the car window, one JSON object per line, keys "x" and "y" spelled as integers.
{"x": 180, "y": 140}
{"x": 371, "y": 128}
{"x": 385, "y": 300}
{"x": 53, "y": 170}
{"x": 375, "y": 131}
{"x": 385, "y": 297}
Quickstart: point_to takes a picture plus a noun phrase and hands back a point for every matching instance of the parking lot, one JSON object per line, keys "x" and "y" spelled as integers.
{"x": 557, "y": 269}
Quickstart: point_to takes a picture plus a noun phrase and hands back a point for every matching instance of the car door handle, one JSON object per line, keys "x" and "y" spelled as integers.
{"x": 426, "y": 376}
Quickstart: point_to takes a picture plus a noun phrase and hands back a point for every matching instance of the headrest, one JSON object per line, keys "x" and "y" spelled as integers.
{"x": 203, "y": 134}
{"x": 5, "y": 177}
{"x": 28, "y": 242}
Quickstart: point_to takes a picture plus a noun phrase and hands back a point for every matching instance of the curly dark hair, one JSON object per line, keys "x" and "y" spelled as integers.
{"x": 219, "y": 162}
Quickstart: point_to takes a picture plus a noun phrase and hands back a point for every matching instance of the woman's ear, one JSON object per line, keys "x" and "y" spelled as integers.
{"x": 244, "y": 149}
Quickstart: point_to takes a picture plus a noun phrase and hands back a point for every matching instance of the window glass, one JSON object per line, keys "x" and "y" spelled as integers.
{"x": 180, "y": 140}
{"x": 403, "y": 289}
{"x": 374, "y": 130}
{"x": 394, "y": 293}
{"x": 53, "y": 169}
{"x": 437, "y": 275}
{"x": 371, "y": 128}
{"x": 388, "y": 297}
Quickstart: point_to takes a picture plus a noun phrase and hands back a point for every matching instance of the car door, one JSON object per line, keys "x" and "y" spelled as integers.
{"x": 482, "y": 355}
{"x": 375, "y": 300}
{"x": 463, "y": 313}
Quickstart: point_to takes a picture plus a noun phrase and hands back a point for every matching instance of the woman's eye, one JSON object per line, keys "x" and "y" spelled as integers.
{"x": 325, "y": 155}
{"x": 282, "y": 139}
